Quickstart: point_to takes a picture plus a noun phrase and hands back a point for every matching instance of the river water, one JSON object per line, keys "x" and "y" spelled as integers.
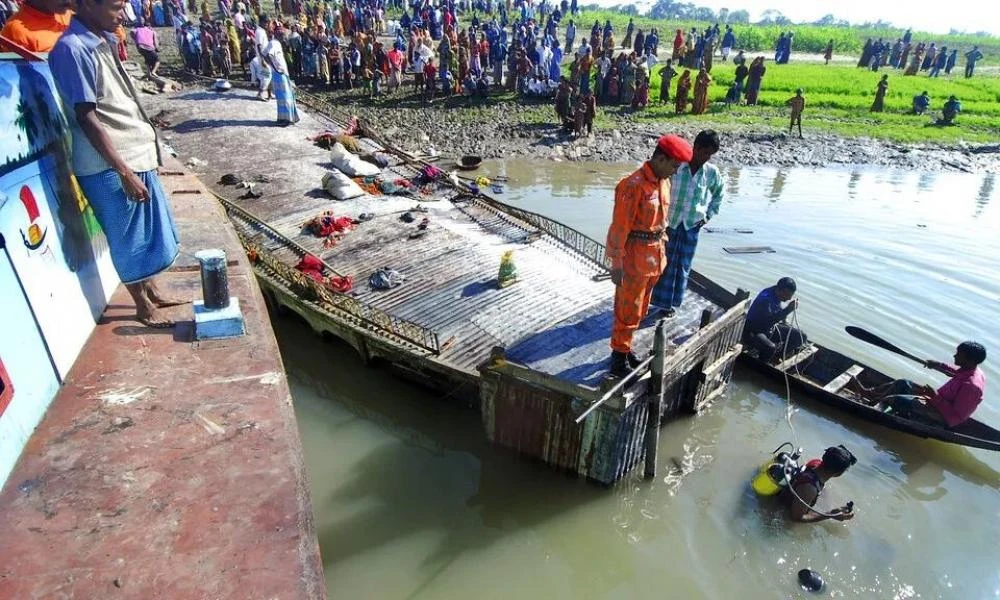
{"x": 411, "y": 502}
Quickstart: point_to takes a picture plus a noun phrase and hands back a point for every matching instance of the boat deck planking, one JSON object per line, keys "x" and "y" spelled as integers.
{"x": 555, "y": 319}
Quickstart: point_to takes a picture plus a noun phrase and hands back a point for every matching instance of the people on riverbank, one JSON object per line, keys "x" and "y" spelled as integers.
{"x": 797, "y": 103}
{"x": 695, "y": 198}
{"x": 635, "y": 243}
{"x": 951, "y": 109}
{"x": 755, "y": 76}
{"x": 971, "y": 58}
{"x": 921, "y": 102}
{"x": 683, "y": 89}
{"x": 880, "y": 91}
{"x": 116, "y": 156}
{"x": 667, "y": 74}
{"x": 701, "y": 84}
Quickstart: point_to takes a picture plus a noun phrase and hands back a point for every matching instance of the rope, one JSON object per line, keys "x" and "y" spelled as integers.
{"x": 789, "y": 408}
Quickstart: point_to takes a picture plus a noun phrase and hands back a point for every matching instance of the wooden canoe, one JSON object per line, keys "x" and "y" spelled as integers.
{"x": 824, "y": 375}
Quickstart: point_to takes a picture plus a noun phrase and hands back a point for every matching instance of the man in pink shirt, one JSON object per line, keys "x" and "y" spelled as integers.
{"x": 951, "y": 404}
{"x": 395, "y": 57}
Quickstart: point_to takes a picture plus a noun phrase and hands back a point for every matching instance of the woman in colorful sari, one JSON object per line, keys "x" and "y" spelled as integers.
{"x": 683, "y": 88}
{"x": 754, "y": 79}
{"x": 284, "y": 94}
{"x": 641, "y": 98}
{"x": 883, "y": 86}
{"x": 701, "y": 83}
{"x": 233, "y": 38}
{"x": 628, "y": 82}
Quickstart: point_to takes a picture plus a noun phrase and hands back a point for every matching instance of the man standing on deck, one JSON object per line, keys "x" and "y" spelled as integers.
{"x": 695, "y": 197}
{"x": 635, "y": 243}
{"x": 116, "y": 155}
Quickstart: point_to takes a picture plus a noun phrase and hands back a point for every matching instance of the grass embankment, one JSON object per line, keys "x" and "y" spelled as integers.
{"x": 839, "y": 98}
{"x": 808, "y": 38}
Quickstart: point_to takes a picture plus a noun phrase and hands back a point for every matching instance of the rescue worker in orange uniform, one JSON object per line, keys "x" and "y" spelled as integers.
{"x": 635, "y": 243}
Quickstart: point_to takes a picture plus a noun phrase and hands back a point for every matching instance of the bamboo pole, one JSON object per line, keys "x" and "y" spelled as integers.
{"x": 655, "y": 400}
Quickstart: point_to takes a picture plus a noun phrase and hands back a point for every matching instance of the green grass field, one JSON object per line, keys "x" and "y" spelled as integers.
{"x": 838, "y": 99}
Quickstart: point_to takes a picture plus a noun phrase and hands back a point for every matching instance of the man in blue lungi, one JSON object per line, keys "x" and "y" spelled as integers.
{"x": 116, "y": 155}
{"x": 695, "y": 197}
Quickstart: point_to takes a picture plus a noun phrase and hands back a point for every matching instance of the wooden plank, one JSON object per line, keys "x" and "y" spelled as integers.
{"x": 838, "y": 382}
{"x": 796, "y": 358}
{"x": 749, "y": 249}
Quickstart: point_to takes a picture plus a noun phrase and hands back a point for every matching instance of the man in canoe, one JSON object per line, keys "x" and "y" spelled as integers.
{"x": 635, "y": 243}
{"x": 951, "y": 404}
{"x": 766, "y": 330}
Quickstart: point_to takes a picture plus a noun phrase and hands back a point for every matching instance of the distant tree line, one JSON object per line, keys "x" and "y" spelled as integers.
{"x": 687, "y": 11}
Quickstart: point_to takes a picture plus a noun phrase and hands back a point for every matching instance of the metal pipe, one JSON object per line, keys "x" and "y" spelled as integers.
{"x": 214, "y": 278}
{"x": 640, "y": 370}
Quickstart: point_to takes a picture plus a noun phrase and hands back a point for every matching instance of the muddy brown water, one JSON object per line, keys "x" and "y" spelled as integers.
{"x": 411, "y": 502}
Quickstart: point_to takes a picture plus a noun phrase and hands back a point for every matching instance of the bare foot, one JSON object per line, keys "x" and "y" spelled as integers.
{"x": 167, "y": 302}
{"x": 159, "y": 299}
{"x": 153, "y": 318}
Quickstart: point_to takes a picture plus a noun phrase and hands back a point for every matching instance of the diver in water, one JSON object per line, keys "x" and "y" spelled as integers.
{"x": 806, "y": 485}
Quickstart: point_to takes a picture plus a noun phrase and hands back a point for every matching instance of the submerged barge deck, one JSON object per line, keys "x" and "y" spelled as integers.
{"x": 534, "y": 355}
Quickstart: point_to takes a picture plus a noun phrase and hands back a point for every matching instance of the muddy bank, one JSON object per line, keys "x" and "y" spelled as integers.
{"x": 509, "y": 129}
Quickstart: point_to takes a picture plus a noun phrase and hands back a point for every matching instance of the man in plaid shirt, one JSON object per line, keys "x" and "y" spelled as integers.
{"x": 695, "y": 197}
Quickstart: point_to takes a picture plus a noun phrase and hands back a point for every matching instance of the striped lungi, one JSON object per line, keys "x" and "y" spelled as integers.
{"x": 142, "y": 236}
{"x": 681, "y": 244}
{"x": 284, "y": 95}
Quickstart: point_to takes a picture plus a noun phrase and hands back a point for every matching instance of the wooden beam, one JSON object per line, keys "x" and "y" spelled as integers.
{"x": 797, "y": 358}
{"x": 838, "y": 382}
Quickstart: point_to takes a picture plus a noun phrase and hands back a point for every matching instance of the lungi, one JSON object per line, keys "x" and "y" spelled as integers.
{"x": 681, "y": 245}
{"x": 284, "y": 95}
{"x": 142, "y": 236}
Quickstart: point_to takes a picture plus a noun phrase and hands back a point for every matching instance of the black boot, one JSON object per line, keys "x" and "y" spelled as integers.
{"x": 619, "y": 364}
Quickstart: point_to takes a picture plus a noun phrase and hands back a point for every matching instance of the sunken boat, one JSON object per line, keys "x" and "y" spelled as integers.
{"x": 410, "y": 273}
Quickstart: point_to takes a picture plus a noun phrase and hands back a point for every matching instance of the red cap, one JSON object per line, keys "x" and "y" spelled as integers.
{"x": 675, "y": 147}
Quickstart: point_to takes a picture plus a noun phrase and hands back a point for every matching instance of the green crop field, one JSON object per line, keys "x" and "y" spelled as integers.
{"x": 839, "y": 98}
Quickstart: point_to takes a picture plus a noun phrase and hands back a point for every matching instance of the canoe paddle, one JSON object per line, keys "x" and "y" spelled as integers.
{"x": 871, "y": 338}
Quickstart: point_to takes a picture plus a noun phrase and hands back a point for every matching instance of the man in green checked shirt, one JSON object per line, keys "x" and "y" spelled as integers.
{"x": 695, "y": 197}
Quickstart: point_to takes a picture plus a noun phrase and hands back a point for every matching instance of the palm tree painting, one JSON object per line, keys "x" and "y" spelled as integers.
{"x": 25, "y": 121}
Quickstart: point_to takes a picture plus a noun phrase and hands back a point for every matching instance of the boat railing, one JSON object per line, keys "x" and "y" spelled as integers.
{"x": 310, "y": 290}
{"x": 590, "y": 249}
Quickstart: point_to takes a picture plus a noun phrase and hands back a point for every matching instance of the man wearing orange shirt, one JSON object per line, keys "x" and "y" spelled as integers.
{"x": 635, "y": 243}
{"x": 37, "y": 25}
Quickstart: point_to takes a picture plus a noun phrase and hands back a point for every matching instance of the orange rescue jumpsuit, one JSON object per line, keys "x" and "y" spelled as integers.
{"x": 641, "y": 202}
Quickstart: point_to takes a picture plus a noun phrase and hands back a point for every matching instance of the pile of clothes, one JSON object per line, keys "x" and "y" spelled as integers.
{"x": 385, "y": 279}
{"x": 377, "y": 186}
{"x": 330, "y": 227}
{"x": 312, "y": 267}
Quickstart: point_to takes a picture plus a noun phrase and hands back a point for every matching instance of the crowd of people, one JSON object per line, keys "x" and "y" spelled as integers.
{"x": 915, "y": 58}
{"x": 532, "y": 49}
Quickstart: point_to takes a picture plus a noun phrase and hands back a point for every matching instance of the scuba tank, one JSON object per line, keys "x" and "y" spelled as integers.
{"x": 774, "y": 474}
